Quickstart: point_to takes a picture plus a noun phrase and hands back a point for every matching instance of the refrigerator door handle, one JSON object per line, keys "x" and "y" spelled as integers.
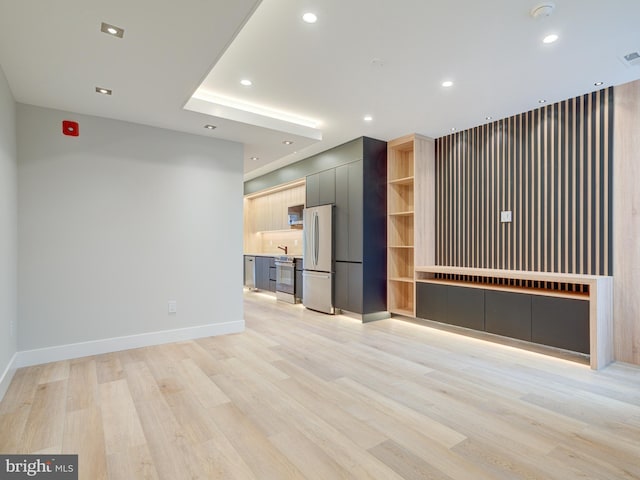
{"x": 316, "y": 239}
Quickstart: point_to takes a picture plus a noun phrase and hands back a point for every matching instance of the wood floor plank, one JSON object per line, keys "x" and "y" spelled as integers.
{"x": 109, "y": 367}
{"x": 82, "y": 388}
{"x": 83, "y": 435}
{"x": 132, "y": 463}
{"x": 55, "y": 371}
{"x": 263, "y": 458}
{"x": 45, "y": 424}
{"x": 310, "y": 460}
{"x": 404, "y": 462}
{"x": 22, "y": 389}
{"x": 121, "y": 426}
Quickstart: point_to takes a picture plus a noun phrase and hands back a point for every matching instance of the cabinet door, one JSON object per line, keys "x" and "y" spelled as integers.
{"x": 465, "y": 307}
{"x": 355, "y": 287}
{"x": 298, "y": 286}
{"x": 356, "y": 217}
{"x": 341, "y": 285}
{"x": 348, "y": 286}
{"x": 262, "y": 273}
{"x": 560, "y": 322}
{"x": 508, "y": 314}
{"x": 327, "y": 186}
{"x": 342, "y": 214}
{"x": 349, "y": 217}
{"x": 431, "y": 301}
{"x": 313, "y": 190}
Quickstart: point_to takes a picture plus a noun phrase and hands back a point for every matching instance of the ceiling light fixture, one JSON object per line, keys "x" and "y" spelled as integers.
{"x": 487, "y": 118}
{"x": 542, "y": 101}
{"x": 597, "y": 84}
{"x": 447, "y": 83}
{"x": 288, "y": 142}
{"x": 368, "y": 118}
{"x": 210, "y": 127}
{"x": 103, "y": 91}
{"x": 246, "y": 82}
{"x": 112, "y": 30}
{"x": 453, "y": 129}
{"x": 550, "y": 38}
{"x": 310, "y": 17}
{"x": 254, "y": 158}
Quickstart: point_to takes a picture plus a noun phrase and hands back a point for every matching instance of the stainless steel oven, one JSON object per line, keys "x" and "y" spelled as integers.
{"x": 285, "y": 279}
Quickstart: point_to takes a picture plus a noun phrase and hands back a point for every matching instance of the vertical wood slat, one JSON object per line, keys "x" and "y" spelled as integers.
{"x": 552, "y": 168}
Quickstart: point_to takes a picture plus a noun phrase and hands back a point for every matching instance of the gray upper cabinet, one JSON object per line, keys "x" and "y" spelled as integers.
{"x": 321, "y": 188}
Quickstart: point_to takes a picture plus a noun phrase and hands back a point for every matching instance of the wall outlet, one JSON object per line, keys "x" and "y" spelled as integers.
{"x": 505, "y": 216}
{"x": 173, "y": 306}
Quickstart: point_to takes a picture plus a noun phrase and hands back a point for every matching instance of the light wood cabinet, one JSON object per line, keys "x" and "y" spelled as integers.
{"x": 410, "y": 217}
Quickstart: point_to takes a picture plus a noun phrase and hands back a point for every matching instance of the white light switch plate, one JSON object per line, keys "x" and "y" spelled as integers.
{"x": 173, "y": 306}
{"x": 505, "y": 216}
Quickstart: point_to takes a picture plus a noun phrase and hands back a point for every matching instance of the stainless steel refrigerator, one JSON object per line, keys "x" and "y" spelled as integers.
{"x": 317, "y": 250}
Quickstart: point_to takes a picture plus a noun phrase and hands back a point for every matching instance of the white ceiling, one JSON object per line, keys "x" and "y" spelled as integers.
{"x": 362, "y": 57}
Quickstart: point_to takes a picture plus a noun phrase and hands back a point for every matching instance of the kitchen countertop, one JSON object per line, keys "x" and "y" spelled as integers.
{"x": 274, "y": 255}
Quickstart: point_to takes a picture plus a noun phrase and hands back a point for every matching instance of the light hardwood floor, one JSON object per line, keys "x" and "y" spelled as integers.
{"x": 305, "y": 395}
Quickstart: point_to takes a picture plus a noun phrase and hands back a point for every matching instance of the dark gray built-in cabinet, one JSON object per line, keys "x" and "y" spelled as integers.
{"x": 547, "y": 320}
{"x": 356, "y": 184}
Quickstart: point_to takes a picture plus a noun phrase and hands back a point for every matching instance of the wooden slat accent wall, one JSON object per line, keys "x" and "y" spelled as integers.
{"x": 552, "y": 167}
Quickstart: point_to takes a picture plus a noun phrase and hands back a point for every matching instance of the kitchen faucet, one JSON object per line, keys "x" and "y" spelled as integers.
{"x": 283, "y": 247}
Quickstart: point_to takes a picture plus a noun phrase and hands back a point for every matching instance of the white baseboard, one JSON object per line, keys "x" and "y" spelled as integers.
{"x": 7, "y": 376}
{"x": 27, "y": 358}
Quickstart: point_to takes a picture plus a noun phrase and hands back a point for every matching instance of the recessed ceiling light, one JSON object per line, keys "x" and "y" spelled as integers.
{"x": 550, "y": 38}
{"x": 210, "y": 127}
{"x": 542, "y": 101}
{"x": 287, "y": 142}
{"x": 310, "y": 17}
{"x": 447, "y": 83}
{"x": 453, "y": 129}
{"x": 112, "y": 30}
{"x": 487, "y": 117}
{"x": 103, "y": 91}
{"x": 597, "y": 84}
{"x": 254, "y": 158}
{"x": 368, "y": 118}
{"x": 246, "y": 82}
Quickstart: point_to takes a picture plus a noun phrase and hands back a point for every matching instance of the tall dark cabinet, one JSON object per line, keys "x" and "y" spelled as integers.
{"x": 357, "y": 187}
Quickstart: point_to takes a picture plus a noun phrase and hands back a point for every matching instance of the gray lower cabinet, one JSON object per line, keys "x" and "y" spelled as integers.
{"x": 554, "y": 321}
{"x": 321, "y": 188}
{"x": 265, "y": 273}
{"x": 348, "y": 287}
{"x": 459, "y": 306}
{"x": 465, "y": 307}
{"x": 561, "y": 322}
{"x": 508, "y": 314}
{"x": 431, "y": 301}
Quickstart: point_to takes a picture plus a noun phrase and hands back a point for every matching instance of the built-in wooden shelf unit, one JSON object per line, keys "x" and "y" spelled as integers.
{"x": 400, "y": 226}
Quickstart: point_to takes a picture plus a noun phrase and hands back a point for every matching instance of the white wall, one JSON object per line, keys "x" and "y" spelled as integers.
{"x": 114, "y": 223}
{"x": 8, "y": 231}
